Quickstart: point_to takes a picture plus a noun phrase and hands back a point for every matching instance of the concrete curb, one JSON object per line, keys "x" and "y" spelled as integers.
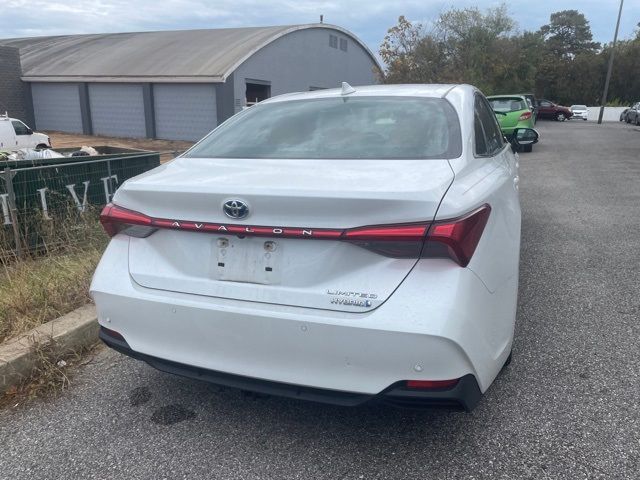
{"x": 66, "y": 334}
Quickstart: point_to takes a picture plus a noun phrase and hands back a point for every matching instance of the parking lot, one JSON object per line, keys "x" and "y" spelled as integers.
{"x": 567, "y": 407}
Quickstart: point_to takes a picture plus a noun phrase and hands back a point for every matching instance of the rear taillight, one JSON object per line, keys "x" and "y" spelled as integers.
{"x": 398, "y": 241}
{"x": 525, "y": 116}
{"x": 115, "y": 219}
{"x": 456, "y": 239}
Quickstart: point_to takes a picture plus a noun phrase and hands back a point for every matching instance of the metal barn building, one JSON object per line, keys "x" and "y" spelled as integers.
{"x": 179, "y": 85}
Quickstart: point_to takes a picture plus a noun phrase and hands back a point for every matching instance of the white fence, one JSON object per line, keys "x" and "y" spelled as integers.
{"x": 611, "y": 114}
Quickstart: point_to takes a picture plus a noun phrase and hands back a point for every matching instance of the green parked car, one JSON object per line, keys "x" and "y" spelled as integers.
{"x": 512, "y": 112}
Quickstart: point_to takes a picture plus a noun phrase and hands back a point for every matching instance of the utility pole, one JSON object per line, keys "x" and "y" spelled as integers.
{"x": 613, "y": 49}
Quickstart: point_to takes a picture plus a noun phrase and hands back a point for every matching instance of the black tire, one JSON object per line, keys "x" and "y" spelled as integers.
{"x": 527, "y": 148}
{"x": 509, "y": 359}
{"x": 41, "y": 146}
{"x": 637, "y": 120}
{"x": 561, "y": 117}
{"x": 626, "y": 119}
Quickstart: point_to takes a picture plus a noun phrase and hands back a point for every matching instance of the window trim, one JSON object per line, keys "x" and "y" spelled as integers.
{"x": 495, "y": 152}
{"x": 13, "y": 122}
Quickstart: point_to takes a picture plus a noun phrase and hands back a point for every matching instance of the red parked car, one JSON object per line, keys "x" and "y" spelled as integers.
{"x": 548, "y": 109}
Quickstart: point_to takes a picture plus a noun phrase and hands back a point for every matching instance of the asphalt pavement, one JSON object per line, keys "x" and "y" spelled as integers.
{"x": 567, "y": 406}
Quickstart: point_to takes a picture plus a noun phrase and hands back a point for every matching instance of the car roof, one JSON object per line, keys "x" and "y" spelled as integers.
{"x": 518, "y": 95}
{"x": 403, "y": 90}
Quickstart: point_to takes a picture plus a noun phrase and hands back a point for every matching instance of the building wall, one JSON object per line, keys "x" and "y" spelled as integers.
{"x": 299, "y": 61}
{"x": 305, "y": 60}
{"x": 13, "y": 92}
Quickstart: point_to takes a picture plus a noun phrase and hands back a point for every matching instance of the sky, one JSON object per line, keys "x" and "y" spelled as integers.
{"x": 369, "y": 20}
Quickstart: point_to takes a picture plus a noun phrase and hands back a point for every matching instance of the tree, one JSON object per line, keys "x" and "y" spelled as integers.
{"x": 568, "y": 34}
{"x": 398, "y": 50}
{"x": 560, "y": 61}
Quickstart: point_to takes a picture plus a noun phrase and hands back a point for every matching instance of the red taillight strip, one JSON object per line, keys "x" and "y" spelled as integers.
{"x": 390, "y": 232}
{"x": 458, "y": 237}
{"x": 113, "y": 214}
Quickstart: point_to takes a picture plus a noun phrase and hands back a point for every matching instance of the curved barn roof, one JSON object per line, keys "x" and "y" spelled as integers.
{"x": 170, "y": 56}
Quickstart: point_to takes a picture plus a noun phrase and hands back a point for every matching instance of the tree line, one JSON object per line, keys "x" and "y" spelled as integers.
{"x": 560, "y": 61}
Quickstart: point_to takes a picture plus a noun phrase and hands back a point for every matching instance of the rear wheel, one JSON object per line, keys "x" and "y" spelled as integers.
{"x": 509, "y": 359}
{"x": 637, "y": 120}
{"x": 527, "y": 148}
{"x": 561, "y": 117}
{"x": 41, "y": 146}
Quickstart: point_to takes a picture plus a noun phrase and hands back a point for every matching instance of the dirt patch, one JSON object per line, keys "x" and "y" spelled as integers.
{"x": 168, "y": 148}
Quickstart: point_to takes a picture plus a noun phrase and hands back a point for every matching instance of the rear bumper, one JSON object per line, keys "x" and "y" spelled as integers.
{"x": 454, "y": 329}
{"x": 465, "y": 394}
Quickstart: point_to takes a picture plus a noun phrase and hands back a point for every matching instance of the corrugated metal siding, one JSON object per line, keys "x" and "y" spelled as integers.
{"x": 117, "y": 110}
{"x": 56, "y": 106}
{"x": 184, "y": 112}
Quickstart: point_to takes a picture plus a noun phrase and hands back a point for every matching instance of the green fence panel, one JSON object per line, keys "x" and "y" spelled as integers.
{"x": 49, "y": 192}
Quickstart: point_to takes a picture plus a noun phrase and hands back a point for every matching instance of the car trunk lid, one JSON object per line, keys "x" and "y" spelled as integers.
{"x": 297, "y": 194}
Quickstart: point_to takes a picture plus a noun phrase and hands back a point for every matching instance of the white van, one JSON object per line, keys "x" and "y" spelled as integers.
{"x": 15, "y": 135}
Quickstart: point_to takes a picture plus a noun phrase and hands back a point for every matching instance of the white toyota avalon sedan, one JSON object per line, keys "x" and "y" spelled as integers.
{"x": 338, "y": 246}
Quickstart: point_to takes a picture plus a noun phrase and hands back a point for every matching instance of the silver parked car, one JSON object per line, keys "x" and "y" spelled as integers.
{"x": 632, "y": 115}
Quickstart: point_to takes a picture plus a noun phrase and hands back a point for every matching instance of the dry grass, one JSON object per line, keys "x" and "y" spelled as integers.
{"x": 48, "y": 283}
{"x": 35, "y": 291}
{"x": 51, "y": 375}
{"x": 51, "y": 282}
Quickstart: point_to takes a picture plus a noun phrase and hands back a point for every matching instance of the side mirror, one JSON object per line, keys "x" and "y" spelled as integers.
{"x": 523, "y": 136}
{"x": 29, "y": 131}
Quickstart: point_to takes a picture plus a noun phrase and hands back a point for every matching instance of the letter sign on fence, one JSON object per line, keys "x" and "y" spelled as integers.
{"x": 4, "y": 199}
{"x": 106, "y": 181}
{"x": 72, "y": 190}
{"x": 43, "y": 201}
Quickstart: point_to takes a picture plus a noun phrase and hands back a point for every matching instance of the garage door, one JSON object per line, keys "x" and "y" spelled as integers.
{"x": 117, "y": 110}
{"x": 56, "y": 106}
{"x": 184, "y": 112}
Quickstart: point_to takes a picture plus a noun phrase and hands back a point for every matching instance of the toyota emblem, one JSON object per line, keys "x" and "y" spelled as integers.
{"x": 235, "y": 209}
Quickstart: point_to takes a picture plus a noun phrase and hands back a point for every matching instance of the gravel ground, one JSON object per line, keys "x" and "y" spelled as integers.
{"x": 567, "y": 407}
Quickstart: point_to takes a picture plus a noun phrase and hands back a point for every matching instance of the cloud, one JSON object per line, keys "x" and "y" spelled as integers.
{"x": 367, "y": 19}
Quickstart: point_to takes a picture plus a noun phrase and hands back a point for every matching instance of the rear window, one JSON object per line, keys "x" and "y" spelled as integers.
{"x": 508, "y": 104}
{"x": 578, "y": 107}
{"x": 338, "y": 128}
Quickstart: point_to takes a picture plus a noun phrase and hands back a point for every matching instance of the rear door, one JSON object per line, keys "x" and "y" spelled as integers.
{"x": 545, "y": 108}
{"x": 7, "y": 135}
